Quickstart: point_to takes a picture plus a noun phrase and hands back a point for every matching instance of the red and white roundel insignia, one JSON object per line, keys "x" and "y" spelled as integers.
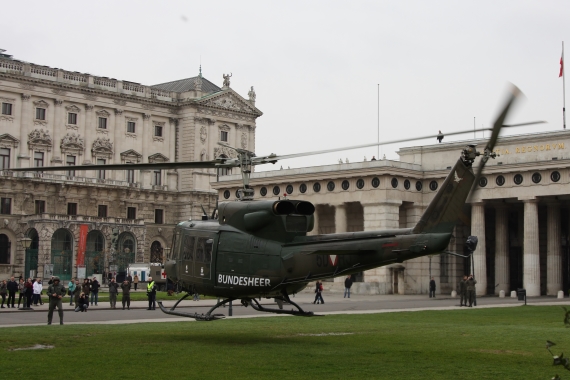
{"x": 333, "y": 260}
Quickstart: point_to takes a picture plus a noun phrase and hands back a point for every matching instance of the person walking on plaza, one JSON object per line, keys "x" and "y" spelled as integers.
{"x": 82, "y": 303}
{"x": 29, "y": 293}
{"x": 113, "y": 290}
{"x": 319, "y": 291}
{"x": 126, "y": 299}
{"x": 22, "y": 291}
{"x": 135, "y": 281}
{"x": 12, "y": 289}
{"x": 463, "y": 291}
{"x": 38, "y": 292}
{"x": 77, "y": 292}
{"x": 432, "y": 288}
{"x": 151, "y": 294}
{"x": 471, "y": 289}
{"x": 56, "y": 292}
{"x": 71, "y": 291}
{"x": 3, "y": 291}
{"x": 347, "y": 286}
{"x": 95, "y": 291}
{"x": 129, "y": 278}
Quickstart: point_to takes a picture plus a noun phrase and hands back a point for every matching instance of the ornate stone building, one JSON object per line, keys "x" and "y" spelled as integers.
{"x": 520, "y": 212}
{"x": 54, "y": 117}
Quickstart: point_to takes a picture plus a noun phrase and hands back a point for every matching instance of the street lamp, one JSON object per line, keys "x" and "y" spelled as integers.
{"x": 26, "y": 242}
{"x": 167, "y": 252}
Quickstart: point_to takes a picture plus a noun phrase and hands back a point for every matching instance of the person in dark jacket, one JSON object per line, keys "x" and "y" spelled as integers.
{"x": 12, "y": 289}
{"x": 82, "y": 303}
{"x": 86, "y": 287}
{"x": 113, "y": 290}
{"x": 471, "y": 289}
{"x": 22, "y": 291}
{"x": 94, "y": 291}
{"x": 126, "y": 299}
{"x": 29, "y": 293}
{"x": 318, "y": 292}
{"x": 77, "y": 292}
{"x": 432, "y": 288}
{"x": 56, "y": 292}
{"x": 463, "y": 291}
{"x": 3, "y": 291}
{"x": 347, "y": 286}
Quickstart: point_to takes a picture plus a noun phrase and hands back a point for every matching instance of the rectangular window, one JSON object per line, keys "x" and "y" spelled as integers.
{"x": 6, "y": 206}
{"x": 38, "y": 159}
{"x": 40, "y": 207}
{"x": 158, "y": 130}
{"x": 70, "y": 161}
{"x": 157, "y": 178}
{"x": 103, "y": 122}
{"x": 158, "y": 216}
{"x": 71, "y": 118}
{"x": 72, "y": 209}
{"x": 130, "y": 176}
{"x": 6, "y": 108}
{"x": 224, "y": 136}
{"x": 4, "y": 158}
{"x": 131, "y": 126}
{"x": 40, "y": 113}
{"x": 131, "y": 212}
{"x": 102, "y": 211}
{"x": 101, "y": 173}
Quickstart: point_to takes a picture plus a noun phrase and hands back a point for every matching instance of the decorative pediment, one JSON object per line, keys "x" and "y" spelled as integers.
{"x": 131, "y": 155}
{"x": 102, "y": 147}
{"x": 103, "y": 113}
{"x": 224, "y": 128}
{"x": 72, "y": 143}
{"x": 72, "y": 108}
{"x": 224, "y": 151}
{"x": 8, "y": 141}
{"x": 41, "y": 104}
{"x": 157, "y": 158}
{"x": 39, "y": 136}
{"x": 228, "y": 100}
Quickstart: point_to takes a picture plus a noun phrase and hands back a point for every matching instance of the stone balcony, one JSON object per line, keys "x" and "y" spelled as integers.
{"x": 62, "y": 178}
{"x": 79, "y": 219}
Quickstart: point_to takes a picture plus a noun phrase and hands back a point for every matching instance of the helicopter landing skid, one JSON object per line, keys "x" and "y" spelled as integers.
{"x": 298, "y": 313}
{"x": 199, "y": 317}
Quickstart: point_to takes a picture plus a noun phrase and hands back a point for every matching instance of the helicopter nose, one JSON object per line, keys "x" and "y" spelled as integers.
{"x": 170, "y": 269}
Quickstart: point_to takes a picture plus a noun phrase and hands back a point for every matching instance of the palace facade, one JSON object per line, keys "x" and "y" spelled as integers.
{"x": 55, "y": 117}
{"x": 520, "y": 213}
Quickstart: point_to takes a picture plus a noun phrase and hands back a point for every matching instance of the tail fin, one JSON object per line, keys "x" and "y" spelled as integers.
{"x": 444, "y": 210}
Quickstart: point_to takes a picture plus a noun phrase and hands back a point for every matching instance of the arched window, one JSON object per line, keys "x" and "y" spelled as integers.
{"x": 156, "y": 252}
{"x": 61, "y": 254}
{"x": 95, "y": 253}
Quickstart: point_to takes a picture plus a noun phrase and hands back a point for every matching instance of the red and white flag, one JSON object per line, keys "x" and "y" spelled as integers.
{"x": 561, "y": 65}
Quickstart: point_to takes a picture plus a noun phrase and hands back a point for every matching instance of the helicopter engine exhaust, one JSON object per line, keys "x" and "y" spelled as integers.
{"x": 283, "y": 208}
{"x": 305, "y": 208}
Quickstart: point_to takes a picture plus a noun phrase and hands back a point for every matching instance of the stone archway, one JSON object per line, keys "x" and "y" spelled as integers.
{"x": 61, "y": 255}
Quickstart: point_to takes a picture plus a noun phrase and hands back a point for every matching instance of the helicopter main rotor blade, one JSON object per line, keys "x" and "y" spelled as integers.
{"x": 274, "y": 158}
{"x": 218, "y": 163}
{"x": 515, "y": 93}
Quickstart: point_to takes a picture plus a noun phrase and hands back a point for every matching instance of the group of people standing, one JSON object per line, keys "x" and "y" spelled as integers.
{"x": 467, "y": 290}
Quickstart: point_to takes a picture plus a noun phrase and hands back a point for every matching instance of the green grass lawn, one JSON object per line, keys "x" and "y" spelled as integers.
{"x": 501, "y": 344}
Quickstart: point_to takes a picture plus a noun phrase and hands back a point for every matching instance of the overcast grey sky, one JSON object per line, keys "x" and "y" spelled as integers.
{"x": 316, "y": 65}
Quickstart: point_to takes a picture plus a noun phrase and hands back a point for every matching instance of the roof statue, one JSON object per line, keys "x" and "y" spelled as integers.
{"x": 251, "y": 95}
{"x": 227, "y": 79}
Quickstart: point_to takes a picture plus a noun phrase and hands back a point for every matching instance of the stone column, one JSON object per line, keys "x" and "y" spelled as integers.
{"x": 146, "y": 136}
{"x": 380, "y": 216}
{"x": 553, "y": 254}
{"x": 480, "y": 254}
{"x": 502, "y": 249}
{"x": 340, "y": 218}
{"x": 25, "y": 120}
{"x": 531, "y": 257}
{"x": 90, "y": 133}
{"x": 58, "y": 127}
{"x": 119, "y": 136}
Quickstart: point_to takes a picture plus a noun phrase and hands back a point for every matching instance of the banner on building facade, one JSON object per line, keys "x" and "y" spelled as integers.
{"x": 82, "y": 246}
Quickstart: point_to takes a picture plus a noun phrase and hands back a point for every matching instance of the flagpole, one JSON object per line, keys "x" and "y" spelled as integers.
{"x": 563, "y": 89}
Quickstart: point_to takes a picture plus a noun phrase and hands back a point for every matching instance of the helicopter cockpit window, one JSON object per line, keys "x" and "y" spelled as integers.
{"x": 204, "y": 250}
{"x": 175, "y": 248}
{"x": 188, "y": 248}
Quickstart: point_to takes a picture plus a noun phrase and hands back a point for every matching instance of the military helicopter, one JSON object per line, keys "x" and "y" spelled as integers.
{"x": 260, "y": 249}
